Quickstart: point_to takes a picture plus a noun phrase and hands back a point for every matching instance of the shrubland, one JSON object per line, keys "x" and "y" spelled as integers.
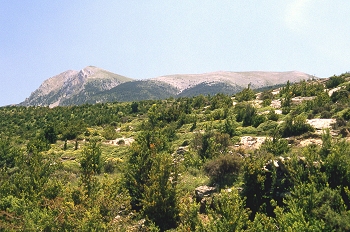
{"x": 134, "y": 166}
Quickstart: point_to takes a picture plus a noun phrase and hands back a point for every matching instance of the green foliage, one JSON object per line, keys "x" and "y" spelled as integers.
{"x": 254, "y": 179}
{"x": 228, "y": 213}
{"x": 272, "y": 116}
{"x": 50, "y": 134}
{"x": 334, "y": 81}
{"x": 266, "y": 97}
{"x": 7, "y": 153}
{"x": 109, "y": 133}
{"x": 336, "y": 165}
{"x": 341, "y": 95}
{"x": 90, "y": 164}
{"x": 307, "y": 89}
{"x": 247, "y": 114}
{"x": 134, "y": 107}
{"x": 140, "y": 163}
{"x": 326, "y": 144}
{"x": 223, "y": 169}
{"x": 312, "y": 209}
{"x": 210, "y": 144}
{"x": 295, "y": 126}
{"x": 346, "y": 115}
{"x": 230, "y": 127}
{"x": 246, "y": 94}
{"x": 159, "y": 199}
{"x": 267, "y": 127}
{"x": 220, "y": 101}
{"x": 49, "y": 183}
{"x": 276, "y": 146}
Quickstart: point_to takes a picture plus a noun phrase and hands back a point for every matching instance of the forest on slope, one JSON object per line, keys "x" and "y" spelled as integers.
{"x": 141, "y": 166}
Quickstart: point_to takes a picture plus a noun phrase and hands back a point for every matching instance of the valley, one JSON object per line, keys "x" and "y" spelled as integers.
{"x": 271, "y": 160}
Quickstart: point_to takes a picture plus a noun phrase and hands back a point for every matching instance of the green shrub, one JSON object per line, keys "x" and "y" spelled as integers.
{"x": 272, "y": 116}
{"x": 295, "y": 126}
{"x": 109, "y": 133}
{"x": 276, "y": 146}
{"x": 246, "y": 94}
{"x": 334, "y": 81}
{"x": 210, "y": 144}
{"x": 249, "y": 130}
{"x": 267, "y": 126}
{"x": 223, "y": 169}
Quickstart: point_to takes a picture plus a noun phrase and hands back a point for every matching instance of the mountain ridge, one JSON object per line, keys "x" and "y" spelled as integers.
{"x": 231, "y": 77}
{"x": 95, "y": 85}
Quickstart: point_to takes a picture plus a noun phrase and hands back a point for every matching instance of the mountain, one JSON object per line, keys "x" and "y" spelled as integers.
{"x": 79, "y": 85}
{"x": 94, "y": 85}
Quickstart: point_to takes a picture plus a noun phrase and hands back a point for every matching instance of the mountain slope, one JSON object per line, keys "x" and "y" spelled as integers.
{"x": 131, "y": 91}
{"x": 61, "y": 89}
{"x": 210, "y": 88}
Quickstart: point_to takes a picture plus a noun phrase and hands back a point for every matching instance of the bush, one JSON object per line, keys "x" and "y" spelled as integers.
{"x": 109, "y": 133}
{"x": 272, "y": 116}
{"x": 295, "y": 126}
{"x": 267, "y": 126}
{"x": 245, "y": 95}
{"x": 223, "y": 169}
{"x": 334, "y": 81}
{"x": 211, "y": 144}
{"x": 326, "y": 114}
{"x": 247, "y": 130}
{"x": 258, "y": 119}
{"x": 346, "y": 114}
{"x": 341, "y": 95}
{"x": 276, "y": 146}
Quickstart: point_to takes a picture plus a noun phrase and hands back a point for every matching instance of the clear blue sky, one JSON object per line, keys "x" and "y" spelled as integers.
{"x": 145, "y": 39}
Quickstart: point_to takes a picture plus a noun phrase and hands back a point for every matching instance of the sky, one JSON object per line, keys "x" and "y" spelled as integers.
{"x": 145, "y": 39}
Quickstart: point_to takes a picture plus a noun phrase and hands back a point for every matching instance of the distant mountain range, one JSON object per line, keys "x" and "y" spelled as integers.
{"x": 95, "y": 85}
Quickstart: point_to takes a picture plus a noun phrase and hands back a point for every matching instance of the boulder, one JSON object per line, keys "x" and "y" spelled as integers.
{"x": 203, "y": 191}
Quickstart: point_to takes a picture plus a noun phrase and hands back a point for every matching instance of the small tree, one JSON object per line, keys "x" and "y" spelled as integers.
{"x": 159, "y": 197}
{"x": 90, "y": 164}
{"x": 326, "y": 143}
{"x": 139, "y": 165}
{"x": 245, "y": 95}
{"x": 50, "y": 134}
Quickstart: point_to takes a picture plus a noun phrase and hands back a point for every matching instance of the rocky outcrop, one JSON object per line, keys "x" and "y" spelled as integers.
{"x": 251, "y": 142}
{"x": 203, "y": 194}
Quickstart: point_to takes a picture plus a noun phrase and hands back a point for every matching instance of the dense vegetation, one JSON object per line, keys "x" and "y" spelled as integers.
{"x": 135, "y": 166}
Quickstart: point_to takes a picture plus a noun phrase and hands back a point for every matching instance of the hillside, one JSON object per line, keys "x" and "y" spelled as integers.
{"x": 94, "y": 85}
{"x": 276, "y": 160}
